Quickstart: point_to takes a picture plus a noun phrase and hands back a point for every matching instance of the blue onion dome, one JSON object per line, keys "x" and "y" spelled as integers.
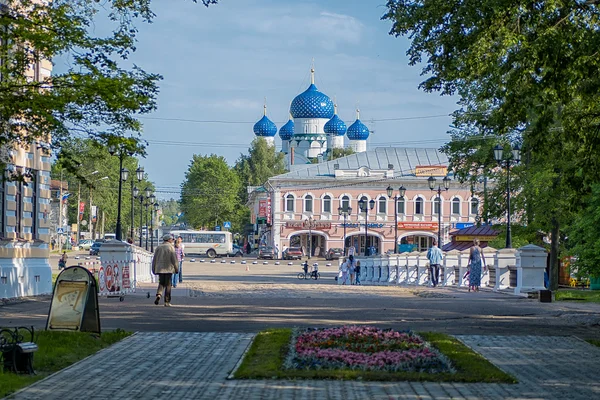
{"x": 265, "y": 127}
{"x": 358, "y": 130}
{"x": 311, "y": 103}
{"x": 287, "y": 131}
{"x": 335, "y": 126}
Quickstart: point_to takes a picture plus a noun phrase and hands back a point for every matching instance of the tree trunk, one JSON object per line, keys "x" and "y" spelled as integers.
{"x": 554, "y": 260}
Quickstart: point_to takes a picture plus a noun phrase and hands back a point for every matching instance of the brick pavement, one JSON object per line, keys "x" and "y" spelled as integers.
{"x": 196, "y": 366}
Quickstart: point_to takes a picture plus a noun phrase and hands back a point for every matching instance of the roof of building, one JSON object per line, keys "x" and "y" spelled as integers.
{"x": 475, "y": 231}
{"x": 358, "y": 131}
{"x": 403, "y": 161}
{"x": 335, "y": 126}
{"x": 461, "y": 246}
{"x": 265, "y": 127}
{"x": 287, "y": 131}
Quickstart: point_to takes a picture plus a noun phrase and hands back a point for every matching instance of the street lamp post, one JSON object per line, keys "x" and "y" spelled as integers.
{"x": 431, "y": 180}
{"x": 345, "y": 211}
{"x": 134, "y": 193}
{"x": 141, "y": 198}
{"x": 390, "y": 192}
{"x": 153, "y": 207}
{"x": 309, "y": 221}
{"x": 123, "y": 174}
{"x": 365, "y": 206}
{"x": 513, "y": 157}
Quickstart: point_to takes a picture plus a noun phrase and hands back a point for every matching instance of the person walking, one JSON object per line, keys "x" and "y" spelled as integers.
{"x": 351, "y": 268}
{"x": 277, "y": 252}
{"x": 180, "y": 254}
{"x": 357, "y": 272}
{"x": 474, "y": 266}
{"x": 164, "y": 264}
{"x": 345, "y": 268}
{"x": 435, "y": 256}
{"x": 62, "y": 263}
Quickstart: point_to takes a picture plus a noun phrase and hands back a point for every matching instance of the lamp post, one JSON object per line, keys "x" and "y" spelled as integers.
{"x": 431, "y": 180}
{"x": 390, "y": 192}
{"x": 123, "y": 174}
{"x": 514, "y": 157}
{"x": 154, "y": 207}
{"x": 345, "y": 211}
{"x": 134, "y": 193}
{"x": 141, "y": 199}
{"x": 365, "y": 206}
{"x": 149, "y": 201}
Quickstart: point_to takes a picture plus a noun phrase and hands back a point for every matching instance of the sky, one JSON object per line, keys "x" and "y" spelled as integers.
{"x": 220, "y": 63}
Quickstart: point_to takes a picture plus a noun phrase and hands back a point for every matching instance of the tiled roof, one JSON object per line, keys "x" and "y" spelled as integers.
{"x": 475, "y": 231}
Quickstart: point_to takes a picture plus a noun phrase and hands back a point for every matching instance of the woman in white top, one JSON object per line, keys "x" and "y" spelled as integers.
{"x": 344, "y": 272}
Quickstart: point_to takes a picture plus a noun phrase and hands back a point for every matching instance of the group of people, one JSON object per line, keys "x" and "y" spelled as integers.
{"x": 474, "y": 266}
{"x": 167, "y": 263}
{"x": 350, "y": 271}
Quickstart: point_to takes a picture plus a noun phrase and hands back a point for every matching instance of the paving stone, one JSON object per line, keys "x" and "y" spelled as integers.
{"x": 196, "y": 366}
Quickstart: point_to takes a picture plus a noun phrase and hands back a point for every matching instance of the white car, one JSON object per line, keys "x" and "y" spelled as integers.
{"x": 85, "y": 244}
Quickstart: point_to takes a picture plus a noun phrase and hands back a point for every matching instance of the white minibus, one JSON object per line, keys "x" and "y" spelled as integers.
{"x": 208, "y": 243}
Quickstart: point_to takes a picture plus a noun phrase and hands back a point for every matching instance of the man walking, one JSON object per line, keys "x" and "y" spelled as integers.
{"x": 164, "y": 264}
{"x": 434, "y": 254}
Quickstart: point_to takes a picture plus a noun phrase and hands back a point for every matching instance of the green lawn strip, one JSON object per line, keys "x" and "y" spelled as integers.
{"x": 264, "y": 360}
{"x": 58, "y": 350}
{"x": 595, "y": 342}
{"x": 590, "y": 296}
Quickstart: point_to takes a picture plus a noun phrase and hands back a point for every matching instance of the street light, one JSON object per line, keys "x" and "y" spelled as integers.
{"x": 123, "y": 174}
{"x": 514, "y": 157}
{"x": 134, "y": 194}
{"x": 390, "y": 192}
{"x": 431, "y": 180}
{"x": 345, "y": 211}
{"x": 149, "y": 201}
{"x": 152, "y": 209}
{"x": 365, "y": 206}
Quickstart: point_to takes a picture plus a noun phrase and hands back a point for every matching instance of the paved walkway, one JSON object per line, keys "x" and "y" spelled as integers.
{"x": 196, "y": 366}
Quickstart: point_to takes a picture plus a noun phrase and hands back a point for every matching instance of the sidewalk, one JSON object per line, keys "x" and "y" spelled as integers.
{"x": 196, "y": 365}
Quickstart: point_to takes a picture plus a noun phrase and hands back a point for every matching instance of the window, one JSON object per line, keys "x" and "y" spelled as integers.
{"x": 436, "y": 205}
{"x": 327, "y": 204}
{"x": 456, "y": 205}
{"x": 382, "y": 205}
{"x": 400, "y": 205}
{"x": 474, "y": 206}
{"x": 419, "y": 206}
{"x": 345, "y": 202}
{"x": 308, "y": 203}
{"x": 289, "y": 202}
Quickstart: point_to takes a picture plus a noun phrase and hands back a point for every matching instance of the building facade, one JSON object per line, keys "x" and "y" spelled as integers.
{"x": 302, "y": 208}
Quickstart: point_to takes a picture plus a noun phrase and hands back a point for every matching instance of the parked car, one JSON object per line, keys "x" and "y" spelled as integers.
{"x": 236, "y": 252}
{"x": 95, "y": 248}
{"x": 292, "y": 253}
{"x": 85, "y": 244}
{"x": 334, "y": 253}
{"x": 266, "y": 252}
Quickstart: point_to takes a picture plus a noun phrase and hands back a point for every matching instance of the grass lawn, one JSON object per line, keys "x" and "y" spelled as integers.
{"x": 264, "y": 360}
{"x": 583, "y": 295}
{"x": 595, "y": 342}
{"x": 58, "y": 350}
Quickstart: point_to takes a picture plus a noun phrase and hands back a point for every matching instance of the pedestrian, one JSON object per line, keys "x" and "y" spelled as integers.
{"x": 53, "y": 243}
{"x": 248, "y": 248}
{"x": 435, "y": 256}
{"x": 344, "y": 268}
{"x": 164, "y": 264}
{"x": 305, "y": 268}
{"x": 62, "y": 263}
{"x": 179, "y": 254}
{"x": 351, "y": 268}
{"x": 474, "y": 266}
{"x": 357, "y": 271}
{"x": 180, "y": 238}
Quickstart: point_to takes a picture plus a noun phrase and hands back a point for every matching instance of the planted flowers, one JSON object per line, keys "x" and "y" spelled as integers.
{"x": 363, "y": 348}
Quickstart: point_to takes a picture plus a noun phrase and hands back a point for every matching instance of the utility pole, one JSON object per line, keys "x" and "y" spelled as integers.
{"x": 91, "y": 215}
{"x": 60, "y": 199}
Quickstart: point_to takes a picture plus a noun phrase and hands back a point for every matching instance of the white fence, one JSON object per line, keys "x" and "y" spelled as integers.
{"x": 520, "y": 269}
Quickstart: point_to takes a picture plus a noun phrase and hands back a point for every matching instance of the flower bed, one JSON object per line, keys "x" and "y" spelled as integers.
{"x": 363, "y": 348}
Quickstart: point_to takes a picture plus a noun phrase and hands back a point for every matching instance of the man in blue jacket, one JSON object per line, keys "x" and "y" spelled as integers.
{"x": 434, "y": 254}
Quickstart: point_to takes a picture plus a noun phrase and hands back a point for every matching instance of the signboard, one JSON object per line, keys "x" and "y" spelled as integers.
{"x": 218, "y": 228}
{"x": 418, "y": 225}
{"x": 227, "y": 225}
{"x": 60, "y": 231}
{"x": 431, "y": 170}
{"x": 81, "y": 209}
{"x": 269, "y": 211}
{"x": 74, "y": 305}
{"x": 262, "y": 208}
{"x": 463, "y": 225}
{"x": 94, "y": 213}
{"x": 357, "y": 225}
{"x": 306, "y": 224}
{"x": 73, "y": 227}
{"x": 470, "y": 238}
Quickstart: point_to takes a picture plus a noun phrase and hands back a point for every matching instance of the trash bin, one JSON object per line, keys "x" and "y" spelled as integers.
{"x": 595, "y": 283}
{"x": 545, "y": 296}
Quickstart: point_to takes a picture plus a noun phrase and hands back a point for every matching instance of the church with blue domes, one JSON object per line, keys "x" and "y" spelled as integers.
{"x": 313, "y": 128}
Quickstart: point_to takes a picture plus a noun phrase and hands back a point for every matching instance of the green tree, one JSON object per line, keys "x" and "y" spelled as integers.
{"x": 209, "y": 195}
{"x": 340, "y": 152}
{"x": 170, "y": 211}
{"x": 261, "y": 163}
{"x": 584, "y": 236}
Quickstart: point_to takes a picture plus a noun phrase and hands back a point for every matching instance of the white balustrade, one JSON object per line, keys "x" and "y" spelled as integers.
{"x": 423, "y": 269}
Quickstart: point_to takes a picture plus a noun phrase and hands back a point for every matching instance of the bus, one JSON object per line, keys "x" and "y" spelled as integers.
{"x": 205, "y": 243}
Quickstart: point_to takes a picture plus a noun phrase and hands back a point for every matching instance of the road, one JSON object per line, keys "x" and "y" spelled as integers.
{"x": 228, "y": 298}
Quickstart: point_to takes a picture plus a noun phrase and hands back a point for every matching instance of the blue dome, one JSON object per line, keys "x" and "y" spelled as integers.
{"x": 312, "y": 104}
{"x": 265, "y": 127}
{"x": 287, "y": 131}
{"x": 358, "y": 131}
{"x": 335, "y": 126}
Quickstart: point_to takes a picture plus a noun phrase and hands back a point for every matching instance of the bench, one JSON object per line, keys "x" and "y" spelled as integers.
{"x": 16, "y": 353}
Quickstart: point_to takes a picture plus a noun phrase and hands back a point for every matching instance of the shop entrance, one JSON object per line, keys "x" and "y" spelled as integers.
{"x": 303, "y": 240}
{"x": 358, "y": 242}
{"x": 415, "y": 243}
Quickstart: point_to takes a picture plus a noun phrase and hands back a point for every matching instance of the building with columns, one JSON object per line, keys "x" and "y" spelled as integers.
{"x": 313, "y": 128}
{"x": 301, "y": 207}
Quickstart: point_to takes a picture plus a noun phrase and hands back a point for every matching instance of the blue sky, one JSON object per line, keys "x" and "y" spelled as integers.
{"x": 220, "y": 63}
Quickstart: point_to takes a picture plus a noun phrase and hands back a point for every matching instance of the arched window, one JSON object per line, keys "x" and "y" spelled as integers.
{"x": 419, "y": 206}
{"x": 382, "y": 205}
{"x": 474, "y": 206}
{"x": 289, "y": 202}
{"x": 345, "y": 202}
{"x": 327, "y": 204}
{"x": 400, "y": 205}
{"x": 308, "y": 203}
{"x": 436, "y": 205}
{"x": 456, "y": 206}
